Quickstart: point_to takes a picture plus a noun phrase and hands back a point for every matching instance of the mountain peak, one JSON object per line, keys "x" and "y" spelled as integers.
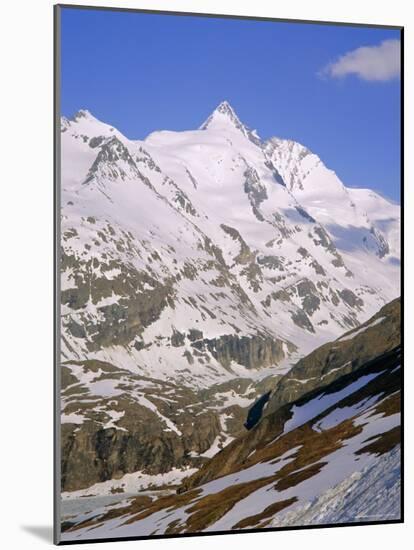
{"x": 223, "y": 114}
{"x": 83, "y": 113}
{"x": 226, "y": 109}
{"x": 224, "y": 117}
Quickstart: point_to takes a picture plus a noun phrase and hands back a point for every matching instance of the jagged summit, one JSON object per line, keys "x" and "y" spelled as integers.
{"x": 223, "y": 113}
{"x": 82, "y": 113}
{"x": 224, "y": 117}
{"x": 85, "y": 125}
{"x": 226, "y": 109}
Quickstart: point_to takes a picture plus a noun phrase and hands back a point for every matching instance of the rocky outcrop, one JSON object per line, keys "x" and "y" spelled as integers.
{"x": 255, "y": 190}
{"x": 120, "y": 423}
{"x": 250, "y": 351}
{"x": 141, "y": 301}
{"x": 379, "y": 335}
{"x": 91, "y": 453}
{"x": 115, "y": 422}
{"x": 245, "y": 255}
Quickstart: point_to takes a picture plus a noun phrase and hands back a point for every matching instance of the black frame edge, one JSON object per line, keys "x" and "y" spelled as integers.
{"x": 215, "y": 533}
{"x": 56, "y": 275}
{"x": 229, "y": 16}
{"x": 402, "y": 273}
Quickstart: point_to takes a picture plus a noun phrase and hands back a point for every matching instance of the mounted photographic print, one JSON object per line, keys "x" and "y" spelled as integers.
{"x": 228, "y": 277}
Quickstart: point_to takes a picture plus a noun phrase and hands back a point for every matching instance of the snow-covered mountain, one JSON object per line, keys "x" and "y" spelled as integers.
{"x": 204, "y": 259}
{"x": 213, "y": 231}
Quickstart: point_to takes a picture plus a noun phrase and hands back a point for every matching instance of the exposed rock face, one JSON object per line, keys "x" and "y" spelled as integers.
{"x": 252, "y": 352}
{"x": 92, "y": 454}
{"x": 115, "y": 422}
{"x": 245, "y": 255}
{"x": 121, "y": 322}
{"x": 121, "y": 423}
{"x": 379, "y": 335}
{"x": 302, "y": 320}
{"x": 255, "y": 190}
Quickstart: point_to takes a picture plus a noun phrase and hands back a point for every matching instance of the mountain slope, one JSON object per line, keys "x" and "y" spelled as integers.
{"x": 116, "y": 423}
{"x": 367, "y": 351}
{"x": 296, "y": 466}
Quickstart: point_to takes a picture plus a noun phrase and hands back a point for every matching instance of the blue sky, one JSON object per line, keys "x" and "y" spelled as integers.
{"x": 145, "y": 72}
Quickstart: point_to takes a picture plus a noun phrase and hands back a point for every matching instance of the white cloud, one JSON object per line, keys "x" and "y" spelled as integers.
{"x": 375, "y": 63}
